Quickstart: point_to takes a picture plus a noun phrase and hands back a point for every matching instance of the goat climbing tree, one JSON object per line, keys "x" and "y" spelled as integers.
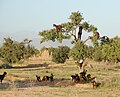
{"x": 69, "y": 30}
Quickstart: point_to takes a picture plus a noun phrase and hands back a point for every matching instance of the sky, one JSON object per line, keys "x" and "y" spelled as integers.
{"x": 26, "y": 18}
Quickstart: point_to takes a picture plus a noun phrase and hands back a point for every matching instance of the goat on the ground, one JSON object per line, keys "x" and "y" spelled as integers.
{"x": 45, "y": 78}
{"x": 51, "y": 77}
{"x": 38, "y": 78}
{"x": 3, "y": 76}
{"x": 75, "y": 78}
{"x": 96, "y": 84}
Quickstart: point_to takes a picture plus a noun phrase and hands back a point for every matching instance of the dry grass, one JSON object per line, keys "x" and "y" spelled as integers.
{"x": 21, "y": 81}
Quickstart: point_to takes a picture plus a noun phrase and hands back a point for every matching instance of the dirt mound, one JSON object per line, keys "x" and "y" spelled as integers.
{"x": 14, "y": 78}
{"x": 39, "y": 58}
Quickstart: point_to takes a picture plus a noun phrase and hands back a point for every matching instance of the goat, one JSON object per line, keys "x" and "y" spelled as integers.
{"x": 45, "y": 78}
{"x": 96, "y": 84}
{"x": 83, "y": 75}
{"x": 38, "y": 78}
{"x": 48, "y": 78}
{"x": 90, "y": 79}
{"x": 75, "y": 78}
{"x": 3, "y": 76}
{"x": 51, "y": 77}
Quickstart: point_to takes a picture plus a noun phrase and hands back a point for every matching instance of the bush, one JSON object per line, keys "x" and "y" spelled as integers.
{"x": 60, "y": 54}
{"x": 5, "y": 66}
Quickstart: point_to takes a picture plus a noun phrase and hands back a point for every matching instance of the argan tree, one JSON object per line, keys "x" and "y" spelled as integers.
{"x": 69, "y": 30}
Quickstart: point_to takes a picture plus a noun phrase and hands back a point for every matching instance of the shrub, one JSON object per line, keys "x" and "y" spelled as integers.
{"x": 60, "y": 54}
{"x": 5, "y": 66}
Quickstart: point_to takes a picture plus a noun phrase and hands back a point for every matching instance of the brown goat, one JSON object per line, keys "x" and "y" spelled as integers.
{"x": 96, "y": 84}
{"x": 48, "y": 78}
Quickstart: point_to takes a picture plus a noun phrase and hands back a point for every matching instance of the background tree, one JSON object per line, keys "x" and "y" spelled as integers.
{"x": 111, "y": 50}
{"x": 60, "y": 54}
{"x": 13, "y": 51}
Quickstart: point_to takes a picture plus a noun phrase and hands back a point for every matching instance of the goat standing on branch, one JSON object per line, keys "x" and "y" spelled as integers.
{"x": 80, "y": 32}
{"x": 58, "y": 28}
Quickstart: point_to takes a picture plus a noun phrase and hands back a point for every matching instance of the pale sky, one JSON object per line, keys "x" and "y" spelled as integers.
{"x": 23, "y": 16}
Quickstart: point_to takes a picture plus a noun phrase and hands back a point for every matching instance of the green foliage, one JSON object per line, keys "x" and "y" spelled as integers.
{"x": 79, "y": 51}
{"x": 89, "y": 28}
{"x": 60, "y": 54}
{"x": 90, "y": 52}
{"x": 98, "y": 56}
{"x": 69, "y": 29}
{"x": 50, "y": 50}
{"x": 5, "y": 66}
{"x": 76, "y": 18}
{"x": 111, "y": 50}
{"x": 13, "y": 51}
{"x": 52, "y": 35}
{"x": 106, "y": 50}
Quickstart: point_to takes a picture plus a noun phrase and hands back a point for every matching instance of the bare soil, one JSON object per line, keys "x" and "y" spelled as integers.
{"x": 21, "y": 81}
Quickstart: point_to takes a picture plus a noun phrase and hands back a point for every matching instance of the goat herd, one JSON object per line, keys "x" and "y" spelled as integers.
{"x": 82, "y": 77}
{"x": 45, "y": 78}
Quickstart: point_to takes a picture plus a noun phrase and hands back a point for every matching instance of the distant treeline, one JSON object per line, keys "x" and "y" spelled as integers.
{"x": 13, "y": 52}
{"x": 107, "y": 51}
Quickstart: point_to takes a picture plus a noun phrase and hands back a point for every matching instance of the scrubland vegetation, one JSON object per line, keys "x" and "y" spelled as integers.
{"x": 23, "y": 62}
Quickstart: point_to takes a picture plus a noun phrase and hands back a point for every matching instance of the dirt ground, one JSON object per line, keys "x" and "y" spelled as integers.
{"x": 70, "y": 91}
{"x": 21, "y": 81}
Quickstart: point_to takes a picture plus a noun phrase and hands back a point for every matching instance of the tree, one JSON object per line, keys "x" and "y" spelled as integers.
{"x": 79, "y": 51}
{"x": 69, "y": 30}
{"x": 13, "y": 51}
{"x": 60, "y": 54}
{"x": 111, "y": 50}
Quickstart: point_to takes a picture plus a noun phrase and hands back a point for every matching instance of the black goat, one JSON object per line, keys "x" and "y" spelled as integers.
{"x": 83, "y": 75}
{"x": 38, "y": 78}
{"x": 51, "y": 77}
{"x": 75, "y": 78}
{"x": 3, "y": 76}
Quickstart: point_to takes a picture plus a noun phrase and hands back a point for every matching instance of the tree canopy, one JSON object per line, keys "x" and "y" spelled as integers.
{"x": 14, "y": 51}
{"x": 69, "y": 30}
{"x": 105, "y": 49}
